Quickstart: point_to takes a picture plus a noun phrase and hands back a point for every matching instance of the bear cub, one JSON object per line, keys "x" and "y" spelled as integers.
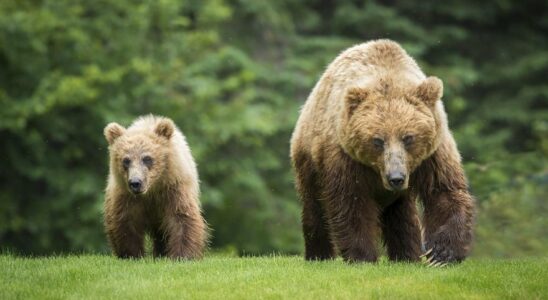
{"x": 152, "y": 189}
{"x": 371, "y": 139}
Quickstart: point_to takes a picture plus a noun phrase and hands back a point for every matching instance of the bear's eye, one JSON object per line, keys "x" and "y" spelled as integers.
{"x": 126, "y": 162}
{"x": 379, "y": 143}
{"x": 147, "y": 161}
{"x": 408, "y": 140}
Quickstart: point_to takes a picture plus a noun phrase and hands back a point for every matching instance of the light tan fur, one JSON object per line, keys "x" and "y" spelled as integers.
{"x": 376, "y": 92}
{"x": 168, "y": 207}
{"x": 379, "y": 67}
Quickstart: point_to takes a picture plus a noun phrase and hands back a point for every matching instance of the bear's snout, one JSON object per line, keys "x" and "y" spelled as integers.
{"x": 135, "y": 185}
{"x": 396, "y": 180}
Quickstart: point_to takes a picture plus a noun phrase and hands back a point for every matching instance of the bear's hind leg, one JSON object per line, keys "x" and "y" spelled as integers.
{"x": 401, "y": 230}
{"x": 159, "y": 243}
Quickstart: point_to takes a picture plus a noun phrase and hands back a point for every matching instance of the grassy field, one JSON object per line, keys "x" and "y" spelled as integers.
{"x": 288, "y": 277}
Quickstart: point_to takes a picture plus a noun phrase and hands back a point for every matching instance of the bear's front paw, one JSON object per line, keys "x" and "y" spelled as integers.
{"x": 440, "y": 253}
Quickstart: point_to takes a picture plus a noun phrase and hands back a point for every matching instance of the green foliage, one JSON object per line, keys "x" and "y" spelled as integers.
{"x": 232, "y": 74}
{"x": 280, "y": 277}
{"x": 76, "y": 66}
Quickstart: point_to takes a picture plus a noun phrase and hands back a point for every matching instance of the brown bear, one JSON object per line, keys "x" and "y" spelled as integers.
{"x": 371, "y": 138}
{"x": 152, "y": 188}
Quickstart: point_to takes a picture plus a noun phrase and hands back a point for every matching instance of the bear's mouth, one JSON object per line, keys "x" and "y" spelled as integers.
{"x": 395, "y": 189}
{"x": 137, "y": 192}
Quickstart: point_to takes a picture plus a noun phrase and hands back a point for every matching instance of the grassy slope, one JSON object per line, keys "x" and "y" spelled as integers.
{"x": 266, "y": 277}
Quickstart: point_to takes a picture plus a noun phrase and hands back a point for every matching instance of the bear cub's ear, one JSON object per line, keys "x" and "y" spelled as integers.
{"x": 354, "y": 97}
{"x": 165, "y": 128}
{"x": 113, "y": 131}
{"x": 430, "y": 90}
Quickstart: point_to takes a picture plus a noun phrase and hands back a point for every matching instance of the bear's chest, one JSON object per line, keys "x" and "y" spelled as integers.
{"x": 148, "y": 210}
{"x": 385, "y": 198}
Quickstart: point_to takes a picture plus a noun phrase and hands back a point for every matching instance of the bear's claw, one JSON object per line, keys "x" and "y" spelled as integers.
{"x": 430, "y": 261}
{"x": 436, "y": 257}
{"x": 426, "y": 253}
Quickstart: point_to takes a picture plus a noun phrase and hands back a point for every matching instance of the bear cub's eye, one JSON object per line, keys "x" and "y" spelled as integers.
{"x": 147, "y": 161}
{"x": 126, "y": 162}
{"x": 408, "y": 140}
{"x": 378, "y": 143}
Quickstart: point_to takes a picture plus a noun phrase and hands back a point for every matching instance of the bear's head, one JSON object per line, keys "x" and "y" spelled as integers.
{"x": 139, "y": 156}
{"x": 392, "y": 132}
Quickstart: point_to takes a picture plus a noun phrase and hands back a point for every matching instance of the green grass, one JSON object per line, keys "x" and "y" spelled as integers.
{"x": 288, "y": 277}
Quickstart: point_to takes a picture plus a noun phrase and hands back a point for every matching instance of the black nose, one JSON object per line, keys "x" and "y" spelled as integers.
{"x": 135, "y": 185}
{"x": 396, "y": 181}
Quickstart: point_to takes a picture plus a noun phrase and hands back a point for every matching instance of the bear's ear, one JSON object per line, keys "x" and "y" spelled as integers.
{"x": 113, "y": 131}
{"x": 430, "y": 90}
{"x": 354, "y": 97}
{"x": 165, "y": 128}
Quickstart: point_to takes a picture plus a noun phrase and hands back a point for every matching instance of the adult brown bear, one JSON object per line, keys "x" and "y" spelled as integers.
{"x": 371, "y": 138}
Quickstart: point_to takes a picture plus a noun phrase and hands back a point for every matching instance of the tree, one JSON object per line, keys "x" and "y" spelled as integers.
{"x": 232, "y": 74}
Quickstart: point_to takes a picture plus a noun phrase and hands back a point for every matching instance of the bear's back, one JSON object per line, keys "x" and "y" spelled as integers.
{"x": 369, "y": 65}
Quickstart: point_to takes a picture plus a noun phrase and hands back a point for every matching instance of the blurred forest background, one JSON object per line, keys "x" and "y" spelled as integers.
{"x": 233, "y": 74}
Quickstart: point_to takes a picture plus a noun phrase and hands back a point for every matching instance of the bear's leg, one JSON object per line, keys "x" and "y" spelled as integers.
{"x": 126, "y": 240}
{"x": 123, "y": 226}
{"x": 316, "y": 237}
{"x": 159, "y": 243}
{"x": 354, "y": 226}
{"x": 448, "y": 219}
{"x": 317, "y": 242}
{"x": 353, "y": 215}
{"x": 448, "y": 206}
{"x": 186, "y": 237}
{"x": 185, "y": 229}
{"x": 401, "y": 230}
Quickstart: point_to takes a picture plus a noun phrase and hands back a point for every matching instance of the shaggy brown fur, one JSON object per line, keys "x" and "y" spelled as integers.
{"x": 152, "y": 188}
{"x": 371, "y": 138}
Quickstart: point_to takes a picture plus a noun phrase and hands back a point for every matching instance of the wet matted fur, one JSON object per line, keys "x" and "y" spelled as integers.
{"x": 373, "y": 114}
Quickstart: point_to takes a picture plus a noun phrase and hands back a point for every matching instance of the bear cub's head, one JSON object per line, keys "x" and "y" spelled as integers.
{"x": 392, "y": 132}
{"x": 138, "y": 156}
